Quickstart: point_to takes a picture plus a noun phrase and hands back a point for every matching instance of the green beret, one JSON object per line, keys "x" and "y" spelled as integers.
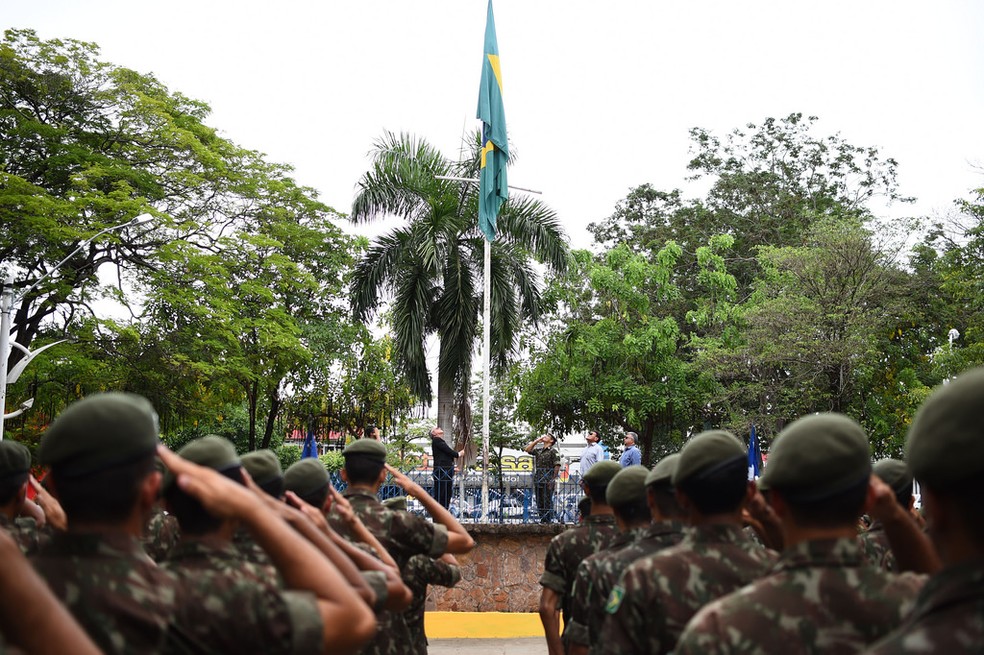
{"x": 98, "y": 432}
{"x": 602, "y": 472}
{"x": 628, "y": 486}
{"x": 663, "y": 471}
{"x": 15, "y": 461}
{"x": 946, "y": 439}
{"x": 895, "y": 474}
{"x": 705, "y": 453}
{"x": 396, "y": 503}
{"x": 369, "y": 447}
{"x": 262, "y": 465}
{"x": 818, "y": 456}
{"x": 210, "y": 451}
{"x": 306, "y": 476}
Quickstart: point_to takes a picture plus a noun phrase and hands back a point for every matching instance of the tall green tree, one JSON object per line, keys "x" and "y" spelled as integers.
{"x": 430, "y": 268}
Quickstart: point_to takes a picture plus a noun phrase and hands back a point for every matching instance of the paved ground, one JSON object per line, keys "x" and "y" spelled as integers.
{"x": 523, "y": 646}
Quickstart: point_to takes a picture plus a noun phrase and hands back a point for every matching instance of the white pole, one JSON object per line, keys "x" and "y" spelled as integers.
{"x": 486, "y": 356}
{"x": 6, "y": 306}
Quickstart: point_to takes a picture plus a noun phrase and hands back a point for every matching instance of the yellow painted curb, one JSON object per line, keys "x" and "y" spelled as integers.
{"x": 482, "y": 625}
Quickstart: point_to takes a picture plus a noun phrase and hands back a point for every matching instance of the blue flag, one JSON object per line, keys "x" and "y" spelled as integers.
{"x": 753, "y": 456}
{"x": 310, "y": 447}
{"x": 493, "y": 190}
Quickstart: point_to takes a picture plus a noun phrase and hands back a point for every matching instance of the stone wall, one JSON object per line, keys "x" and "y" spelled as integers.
{"x": 502, "y": 572}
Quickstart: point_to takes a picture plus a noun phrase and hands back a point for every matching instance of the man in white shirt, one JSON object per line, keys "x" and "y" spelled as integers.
{"x": 592, "y": 453}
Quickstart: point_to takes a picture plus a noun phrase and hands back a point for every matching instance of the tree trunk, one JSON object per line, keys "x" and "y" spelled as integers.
{"x": 275, "y": 404}
{"x": 251, "y": 396}
{"x": 445, "y": 405}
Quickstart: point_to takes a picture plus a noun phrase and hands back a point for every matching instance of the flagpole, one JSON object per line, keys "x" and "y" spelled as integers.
{"x": 486, "y": 357}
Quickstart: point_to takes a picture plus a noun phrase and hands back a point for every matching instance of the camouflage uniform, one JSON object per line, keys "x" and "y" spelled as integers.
{"x": 161, "y": 534}
{"x": 876, "y": 549}
{"x": 656, "y": 596}
{"x": 403, "y": 535}
{"x": 24, "y": 531}
{"x": 251, "y": 552}
{"x": 948, "y": 616}
{"x": 545, "y": 463}
{"x": 233, "y": 610}
{"x": 568, "y": 549}
{"x": 112, "y": 588}
{"x": 599, "y": 573}
{"x": 420, "y": 572}
{"x": 822, "y": 597}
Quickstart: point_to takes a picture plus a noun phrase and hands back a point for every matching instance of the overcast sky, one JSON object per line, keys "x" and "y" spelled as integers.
{"x": 599, "y": 96}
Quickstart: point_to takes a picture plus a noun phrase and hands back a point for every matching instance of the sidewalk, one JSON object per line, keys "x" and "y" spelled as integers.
{"x": 484, "y": 633}
{"x": 509, "y": 646}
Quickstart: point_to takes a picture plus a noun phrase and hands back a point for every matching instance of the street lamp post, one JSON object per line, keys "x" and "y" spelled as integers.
{"x": 7, "y": 301}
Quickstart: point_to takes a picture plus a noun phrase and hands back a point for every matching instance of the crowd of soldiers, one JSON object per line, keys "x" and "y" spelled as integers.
{"x": 246, "y": 558}
{"x": 824, "y": 553}
{"x": 689, "y": 557}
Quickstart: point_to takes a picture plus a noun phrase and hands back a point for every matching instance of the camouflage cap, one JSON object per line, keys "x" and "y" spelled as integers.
{"x": 368, "y": 447}
{"x": 707, "y": 452}
{"x": 262, "y": 465}
{"x": 895, "y": 474}
{"x": 818, "y": 456}
{"x": 210, "y": 451}
{"x": 306, "y": 476}
{"x": 628, "y": 486}
{"x": 663, "y": 471}
{"x": 945, "y": 444}
{"x": 396, "y": 503}
{"x": 100, "y": 431}
{"x": 15, "y": 461}
{"x": 602, "y": 472}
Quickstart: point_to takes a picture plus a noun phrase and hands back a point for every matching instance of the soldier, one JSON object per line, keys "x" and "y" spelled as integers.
{"x": 646, "y": 526}
{"x": 658, "y": 594}
{"x": 874, "y": 540}
{"x": 31, "y": 618}
{"x": 422, "y": 571}
{"x": 546, "y": 467}
{"x": 161, "y": 533}
{"x": 945, "y": 452}
{"x": 15, "y": 469}
{"x": 101, "y": 453}
{"x": 402, "y": 534}
{"x": 822, "y": 597}
{"x": 569, "y": 548}
{"x": 264, "y": 467}
{"x": 245, "y": 611}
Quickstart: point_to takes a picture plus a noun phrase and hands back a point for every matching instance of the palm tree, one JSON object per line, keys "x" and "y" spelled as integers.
{"x": 431, "y": 267}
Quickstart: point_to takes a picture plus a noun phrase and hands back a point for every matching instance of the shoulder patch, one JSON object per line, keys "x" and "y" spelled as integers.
{"x": 615, "y": 599}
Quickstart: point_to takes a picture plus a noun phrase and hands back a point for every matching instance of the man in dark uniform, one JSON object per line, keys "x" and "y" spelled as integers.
{"x": 15, "y": 469}
{"x": 444, "y": 458}
{"x": 546, "y": 467}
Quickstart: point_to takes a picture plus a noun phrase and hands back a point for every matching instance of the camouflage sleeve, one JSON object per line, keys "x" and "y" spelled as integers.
{"x": 307, "y": 627}
{"x": 703, "y": 634}
{"x": 577, "y": 630}
{"x": 377, "y": 582}
{"x": 625, "y": 623}
{"x": 553, "y": 570}
{"x": 418, "y": 535}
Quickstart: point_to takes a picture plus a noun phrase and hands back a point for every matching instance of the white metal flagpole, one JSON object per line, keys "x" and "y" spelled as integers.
{"x": 486, "y": 356}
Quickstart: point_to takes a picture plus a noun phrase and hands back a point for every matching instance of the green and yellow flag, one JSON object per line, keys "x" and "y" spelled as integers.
{"x": 493, "y": 190}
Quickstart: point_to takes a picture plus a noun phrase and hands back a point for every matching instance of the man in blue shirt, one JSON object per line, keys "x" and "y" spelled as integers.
{"x": 592, "y": 453}
{"x": 631, "y": 454}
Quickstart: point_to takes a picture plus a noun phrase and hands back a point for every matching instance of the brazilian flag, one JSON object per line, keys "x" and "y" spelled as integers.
{"x": 493, "y": 190}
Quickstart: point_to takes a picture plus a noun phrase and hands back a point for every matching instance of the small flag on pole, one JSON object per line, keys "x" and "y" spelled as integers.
{"x": 753, "y": 456}
{"x": 493, "y": 190}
